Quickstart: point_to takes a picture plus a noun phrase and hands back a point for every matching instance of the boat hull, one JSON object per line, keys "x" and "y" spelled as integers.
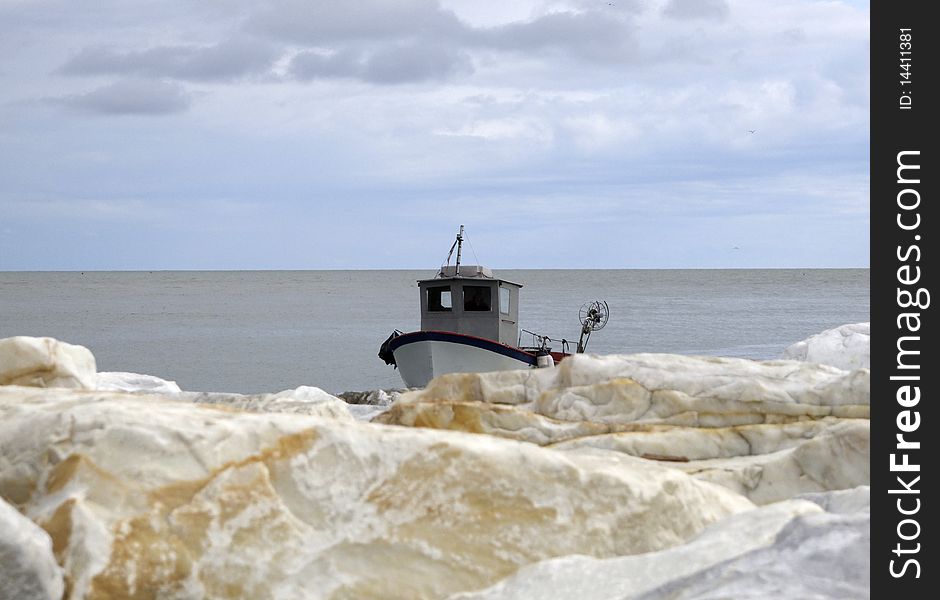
{"x": 423, "y": 355}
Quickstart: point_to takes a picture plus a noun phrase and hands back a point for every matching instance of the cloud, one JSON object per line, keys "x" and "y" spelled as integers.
{"x": 595, "y": 36}
{"x": 321, "y": 23}
{"x": 594, "y": 132}
{"x": 226, "y": 60}
{"x": 697, "y": 9}
{"x": 310, "y": 107}
{"x": 411, "y": 62}
{"x": 131, "y": 97}
{"x": 525, "y": 128}
{"x": 70, "y": 208}
{"x": 386, "y": 65}
{"x": 385, "y": 41}
{"x": 312, "y": 64}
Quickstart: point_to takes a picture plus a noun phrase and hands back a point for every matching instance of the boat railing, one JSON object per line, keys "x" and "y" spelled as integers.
{"x": 532, "y": 341}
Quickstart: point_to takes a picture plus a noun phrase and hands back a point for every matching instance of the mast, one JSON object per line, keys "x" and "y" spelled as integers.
{"x": 459, "y": 244}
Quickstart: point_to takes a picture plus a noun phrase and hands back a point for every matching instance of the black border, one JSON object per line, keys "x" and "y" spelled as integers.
{"x": 895, "y": 129}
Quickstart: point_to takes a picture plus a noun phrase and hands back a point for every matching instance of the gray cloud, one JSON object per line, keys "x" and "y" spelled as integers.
{"x": 615, "y": 6}
{"x": 537, "y": 99}
{"x": 388, "y": 64}
{"x": 131, "y": 97}
{"x": 302, "y": 21}
{"x": 378, "y": 41}
{"x": 595, "y": 35}
{"x": 697, "y": 9}
{"x": 227, "y": 60}
{"x": 309, "y": 65}
{"x": 413, "y": 63}
{"x": 391, "y": 43}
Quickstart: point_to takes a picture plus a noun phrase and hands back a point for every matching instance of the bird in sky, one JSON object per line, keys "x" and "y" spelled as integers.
{"x": 751, "y": 130}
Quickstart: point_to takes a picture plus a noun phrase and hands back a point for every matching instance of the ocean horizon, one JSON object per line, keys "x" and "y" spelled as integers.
{"x": 253, "y": 331}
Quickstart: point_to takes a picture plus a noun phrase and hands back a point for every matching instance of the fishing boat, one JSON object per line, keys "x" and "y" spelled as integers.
{"x": 470, "y": 324}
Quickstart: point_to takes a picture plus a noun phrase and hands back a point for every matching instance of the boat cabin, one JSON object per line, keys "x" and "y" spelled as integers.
{"x": 467, "y": 299}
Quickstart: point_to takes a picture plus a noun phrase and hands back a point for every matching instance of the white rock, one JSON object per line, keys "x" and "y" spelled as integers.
{"x": 820, "y": 556}
{"x": 785, "y": 537}
{"x": 766, "y": 463}
{"x": 190, "y": 500}
{"x": 305, "y": 400}
{"x": 663, "y": 388}
{"x": 506, "y": 421}
{"x": 670, "y": 442}
{"x": 622, "y": 391}
{"x": 587, "y": 578}
{"x": 366, "y": 406}
{"x": 365, "y": 412}
{"x": 842, "y": 502}
{"x": 45, "y": 362}
{"x": 839, "y": 458}
{"x": 117, "y": 381}
{"x": 28, "y": 570}
{"x": 846, "y": 347}
{"x": 768, "y": 430}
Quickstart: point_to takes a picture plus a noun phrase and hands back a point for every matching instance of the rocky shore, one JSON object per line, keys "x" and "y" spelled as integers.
{"x": 635, "y": 476}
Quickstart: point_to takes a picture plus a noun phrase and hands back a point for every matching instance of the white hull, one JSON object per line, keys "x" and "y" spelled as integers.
{"x": 421, "y": 361}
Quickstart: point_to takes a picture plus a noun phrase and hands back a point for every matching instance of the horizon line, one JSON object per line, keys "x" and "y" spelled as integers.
{"x": 286, "y": 270}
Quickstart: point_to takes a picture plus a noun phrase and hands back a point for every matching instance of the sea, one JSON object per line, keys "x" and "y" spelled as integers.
{"x": 267, "y": 331}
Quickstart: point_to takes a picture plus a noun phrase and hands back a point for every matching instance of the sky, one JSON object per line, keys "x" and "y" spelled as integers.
{"x": 359, "y": 134}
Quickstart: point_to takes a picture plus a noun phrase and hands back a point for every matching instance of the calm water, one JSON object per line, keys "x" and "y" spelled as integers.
{"x": 256, "y": 331}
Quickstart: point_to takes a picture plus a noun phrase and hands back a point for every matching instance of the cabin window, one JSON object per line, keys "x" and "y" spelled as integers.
{"x": 439, "y": 299}
{"x": 477, "y": 298}
{"x": 504, "y": 300}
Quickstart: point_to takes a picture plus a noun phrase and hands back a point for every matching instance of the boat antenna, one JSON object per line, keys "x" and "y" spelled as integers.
{"x": 459, "y": 245}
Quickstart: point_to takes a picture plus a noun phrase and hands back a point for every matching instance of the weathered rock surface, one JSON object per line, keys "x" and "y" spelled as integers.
{"x": 28, "y": 570}
{"x": 305, "y": 400}
{"x": 651, "y": 389}
{"x": 371, "y": 397}
{"x": 768, "y": 430}
{"x": 846, "y": 347}
{"x": 672, "y": 442}
{"x": 118, "y": 381}
{"x": 842, "y": 502}
{"x": 46, "y": 362}
{"x": 645, "y": 488}
{"x": 144, "y": 495}
{"x": 823, "y": 556}
{"x": 365, "y": 406}
{"x": 766, "y": 463}
{"x": 715, "y": 564}
{"x": 837, "y": 459}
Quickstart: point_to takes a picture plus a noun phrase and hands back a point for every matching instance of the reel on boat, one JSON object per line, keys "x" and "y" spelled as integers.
{"x": 593, "y": 316}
